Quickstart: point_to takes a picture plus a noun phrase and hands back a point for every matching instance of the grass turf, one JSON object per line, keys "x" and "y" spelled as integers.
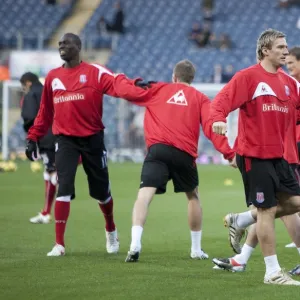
{"x": 165, "y": 270}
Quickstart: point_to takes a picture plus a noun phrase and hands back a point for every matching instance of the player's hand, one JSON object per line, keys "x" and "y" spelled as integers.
{"x": 32, "y": 151}
{"x": 219, "y": 128}
{"x": 233, "y": 163}
{"x": 144, "y": 84}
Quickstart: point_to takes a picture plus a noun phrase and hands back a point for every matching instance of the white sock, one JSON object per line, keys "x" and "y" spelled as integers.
{"x": 245, "y": 219}
{"x": 272, "y": 265}
{"x": 136, "y": 236}
{"x": 244, "y": 256}
{"x": 298, "y": 250}
{"x": 196, "y": 241}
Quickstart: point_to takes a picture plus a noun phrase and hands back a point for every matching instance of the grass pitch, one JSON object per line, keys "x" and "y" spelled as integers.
{"x": 165, "y": 270}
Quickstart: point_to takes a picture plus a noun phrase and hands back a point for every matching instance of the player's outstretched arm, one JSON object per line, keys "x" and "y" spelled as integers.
{"x": 220, "y": 142}
{"x": 126, "y": 88}
{"x": 232, "y": 96}
{"x": 45, "y": 115}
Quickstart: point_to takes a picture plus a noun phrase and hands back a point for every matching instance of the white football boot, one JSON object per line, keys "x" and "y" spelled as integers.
{"x": 40, "y": 219}
{"x": 112, "y": 242}
{"x": 281, "y": 278}
{"x": 199, "y": 255}
{"x": 58, "y": 250}
{"x": 291, "y": 245}
{"x": 236, "y": 233}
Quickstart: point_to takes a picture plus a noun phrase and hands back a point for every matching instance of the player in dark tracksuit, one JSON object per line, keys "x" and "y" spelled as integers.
{"x": 33, "y": 88}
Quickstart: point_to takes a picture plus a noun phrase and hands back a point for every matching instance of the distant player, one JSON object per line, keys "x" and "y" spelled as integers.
{"x": 267, "y": 100}
{"x": 72, "y": 100}
{"x": 33, "y": 89}
{"x": 174, "y": 112}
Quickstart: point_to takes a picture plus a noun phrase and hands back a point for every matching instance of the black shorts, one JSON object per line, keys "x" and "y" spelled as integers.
{"x": 263, "y": 178}
{"x": 296, "y": 169}
{"x": 94, "y": 160}
{"x": 164, "y": 163}
{"x": 48, "y": 157}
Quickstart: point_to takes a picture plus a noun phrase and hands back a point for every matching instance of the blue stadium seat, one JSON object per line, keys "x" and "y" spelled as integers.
{"x": 29, "y": 17}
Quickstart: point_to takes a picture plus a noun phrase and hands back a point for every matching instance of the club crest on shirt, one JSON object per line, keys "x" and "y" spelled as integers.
{"x": 178, "y": 99}
{"x": 287, "y": 90}
{"x": 82, "y": 79}
{"x": 260, "y": 197}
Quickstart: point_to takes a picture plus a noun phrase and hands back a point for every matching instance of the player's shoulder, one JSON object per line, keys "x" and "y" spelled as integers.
{"x": 190, "y": 91}
{"x": 55, "y": 71}
{"x": 287, "y": 77}
{"x": 249, "y": 71}
{"x": 245, "y": 75}
{"x": 98, "y": 68}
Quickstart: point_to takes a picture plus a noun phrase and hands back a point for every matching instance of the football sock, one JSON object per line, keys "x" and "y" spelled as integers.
{"x": 244, "y": 256}
{"x": 50, "y": 190}
{"x": 196, "y": 241}
{"x": 272, "y": 265}
{"x": 136, "y": 236}
{"x": 245, "y": 219}
{"x": 107, "y": 210}
{"x": 61, "y": 213}
{"x": 298, "y": 250}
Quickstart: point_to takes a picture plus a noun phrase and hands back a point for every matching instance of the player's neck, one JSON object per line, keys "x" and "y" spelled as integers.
{"x": 269, "y": 67}
{"x": 72, "y": 63}
{"x": 181, "y": 82}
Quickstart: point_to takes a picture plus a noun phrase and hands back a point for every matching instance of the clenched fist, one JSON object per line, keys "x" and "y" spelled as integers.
{"x": 219, "y": 128}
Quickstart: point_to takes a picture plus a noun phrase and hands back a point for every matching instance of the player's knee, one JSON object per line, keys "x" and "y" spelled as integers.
{"x": 193, "y": 195}
{"x": 66, "y": 198}
{"x": 65, "y": 188}
{"x": 53, "y": 178}
{"x": 47, "y": 176}
{"x": 104, "y": 201}
{"x": 101, "y": 196}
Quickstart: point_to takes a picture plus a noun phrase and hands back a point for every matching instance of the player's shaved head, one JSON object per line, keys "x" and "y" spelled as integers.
{"x": 76, "y": 39}
{"x": 69, "y": 47}
{"x": 184, "y": 71}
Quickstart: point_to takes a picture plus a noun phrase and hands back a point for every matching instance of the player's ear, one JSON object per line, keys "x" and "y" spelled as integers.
{"x": 174, "y": 78}
{"x": 265, "y": 51}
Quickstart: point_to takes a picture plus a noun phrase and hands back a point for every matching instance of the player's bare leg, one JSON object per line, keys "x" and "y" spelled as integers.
{"x": 265, "y": 229}
{"x": 139, "y": 216}
{"x": 195, "y": 224}
{"x": 287, "y": 205}
{"x": 292, "y": 224}
{"x": 272, "y": 276}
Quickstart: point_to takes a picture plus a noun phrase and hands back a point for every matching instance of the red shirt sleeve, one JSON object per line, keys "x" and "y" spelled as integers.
{"x": 45, "y": 115}
{"x": 220, "y": 142}
{"x": 107, "y": 82}
{"x": 232, "y": 96}
{"x": 105, "y": 79}
{"x": 126, "y": 89}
